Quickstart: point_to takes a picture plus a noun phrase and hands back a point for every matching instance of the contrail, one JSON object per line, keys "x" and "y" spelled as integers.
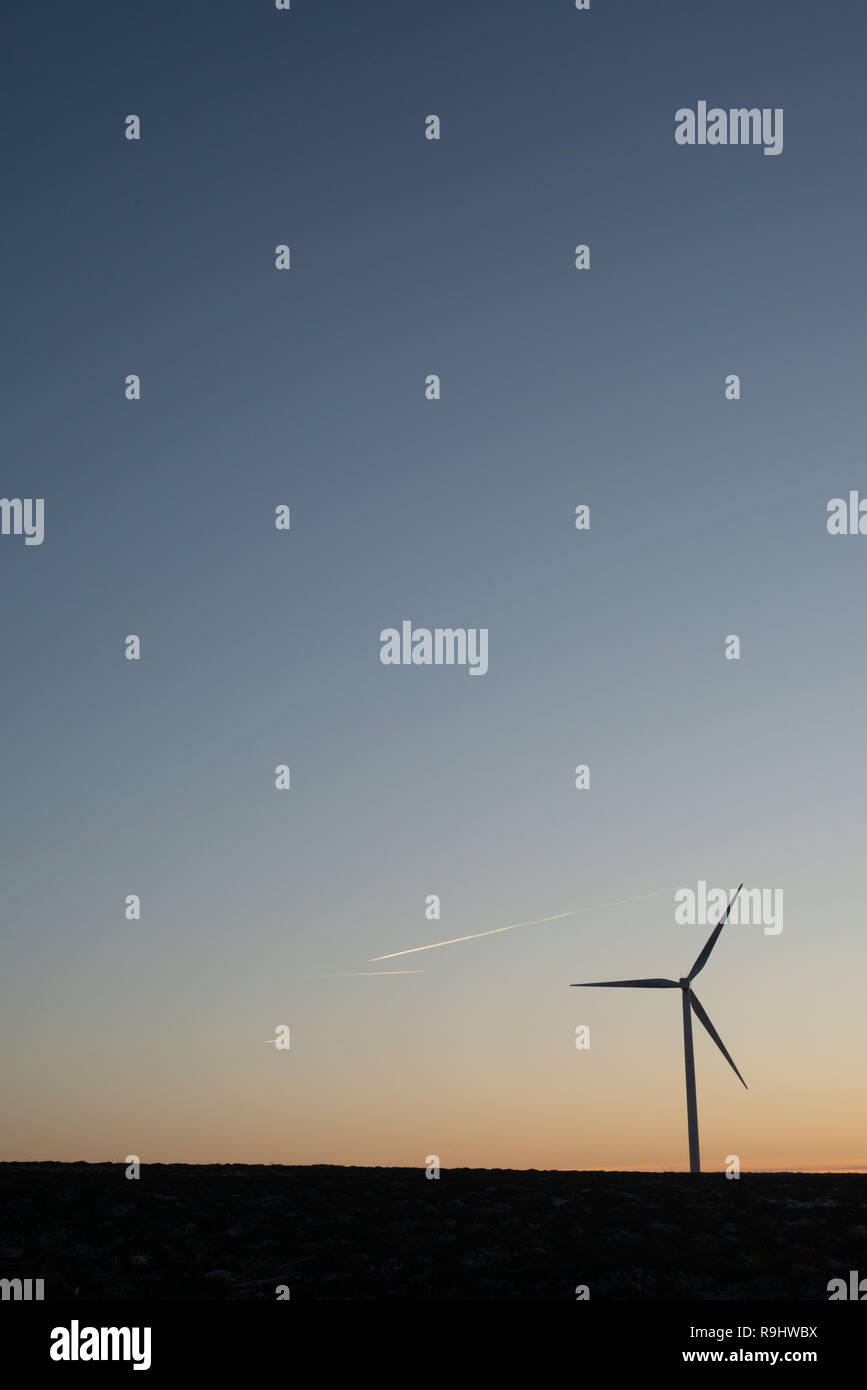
{"x": 344, "y": 974}
{"x": 453, "y": 941}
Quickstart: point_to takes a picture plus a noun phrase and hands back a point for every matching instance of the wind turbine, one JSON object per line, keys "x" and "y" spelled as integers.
{"x": 689, "y": 1002}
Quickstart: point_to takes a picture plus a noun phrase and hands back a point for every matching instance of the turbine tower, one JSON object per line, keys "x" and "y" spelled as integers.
{"x": 691, "y": 1006}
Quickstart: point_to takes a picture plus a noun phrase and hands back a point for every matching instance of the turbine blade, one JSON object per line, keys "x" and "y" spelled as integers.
{"x": 627, "y": 984}
{"x": 703, "y": 1018}
{"x": 711, "y": 941}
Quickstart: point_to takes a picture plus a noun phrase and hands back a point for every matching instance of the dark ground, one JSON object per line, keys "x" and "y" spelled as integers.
{"x": 218, "y": 1231}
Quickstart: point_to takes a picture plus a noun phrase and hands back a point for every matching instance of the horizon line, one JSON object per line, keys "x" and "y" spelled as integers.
{"x": 410, "y": 1167}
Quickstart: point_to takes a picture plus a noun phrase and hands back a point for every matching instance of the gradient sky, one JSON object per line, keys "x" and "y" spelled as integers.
{"x": 258, "y": 648}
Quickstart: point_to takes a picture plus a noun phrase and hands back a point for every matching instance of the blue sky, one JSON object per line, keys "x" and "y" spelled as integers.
{"x": 258, "y": 648}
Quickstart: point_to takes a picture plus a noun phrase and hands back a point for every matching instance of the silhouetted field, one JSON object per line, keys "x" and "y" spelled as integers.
{"x": 237, "y": 1231}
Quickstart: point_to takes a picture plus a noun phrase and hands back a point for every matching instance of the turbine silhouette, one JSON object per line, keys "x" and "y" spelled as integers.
{"x": 690, "y": 1002}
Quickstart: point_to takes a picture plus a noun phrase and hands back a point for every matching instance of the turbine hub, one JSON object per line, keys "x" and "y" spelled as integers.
{"x": 684, "y": 983}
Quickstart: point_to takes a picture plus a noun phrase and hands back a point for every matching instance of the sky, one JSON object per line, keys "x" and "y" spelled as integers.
{"x": 259, "y": 647}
